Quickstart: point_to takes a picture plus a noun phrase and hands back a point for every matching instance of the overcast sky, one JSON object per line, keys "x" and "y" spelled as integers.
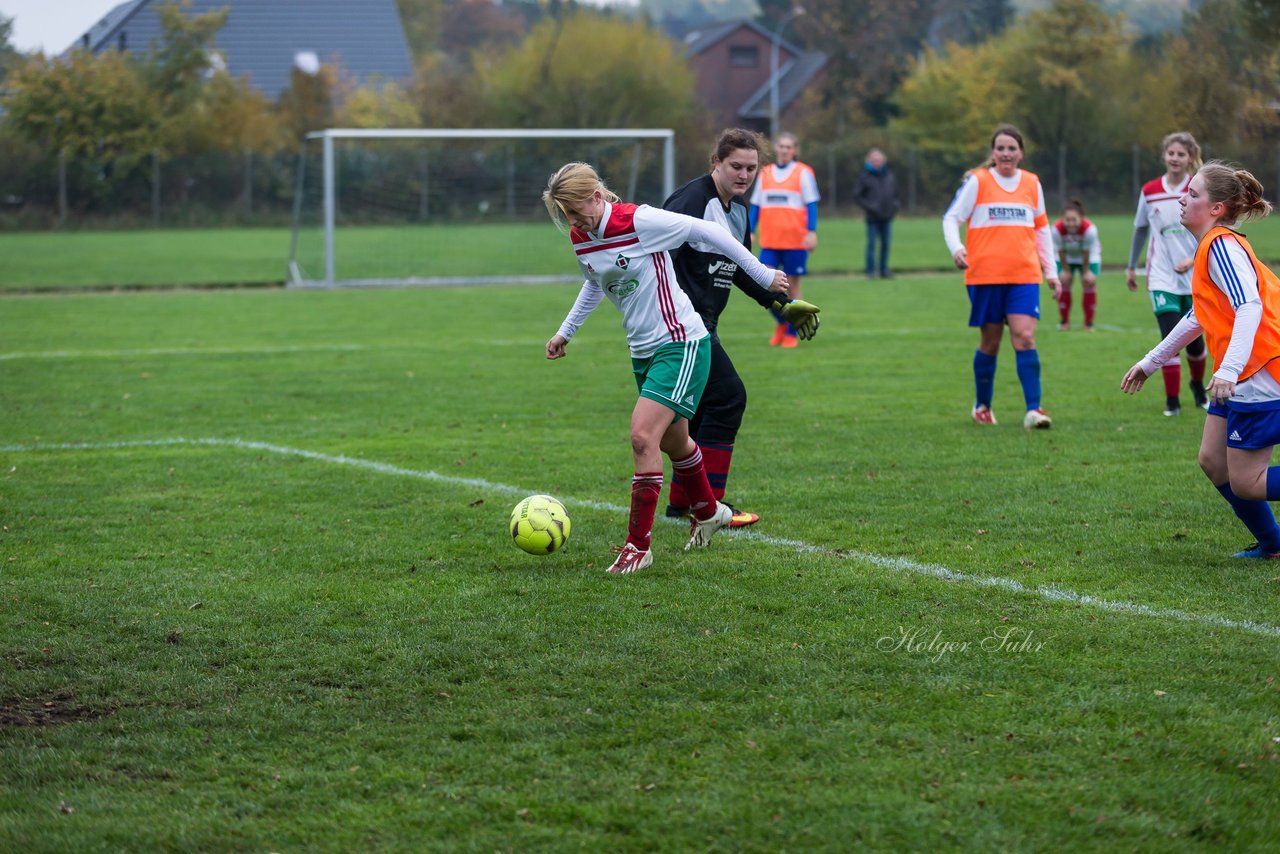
{"x": 52, "y": 25}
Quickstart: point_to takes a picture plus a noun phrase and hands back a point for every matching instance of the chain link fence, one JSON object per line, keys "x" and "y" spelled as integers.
{"x": 40, "y": 189}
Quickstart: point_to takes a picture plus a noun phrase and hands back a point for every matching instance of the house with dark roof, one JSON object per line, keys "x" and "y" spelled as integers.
{"x": 732, "y": 62}
{"x": 265, "y": 39}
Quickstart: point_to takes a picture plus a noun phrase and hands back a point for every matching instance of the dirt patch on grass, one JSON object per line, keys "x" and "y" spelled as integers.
{"x": 52, "y": 709}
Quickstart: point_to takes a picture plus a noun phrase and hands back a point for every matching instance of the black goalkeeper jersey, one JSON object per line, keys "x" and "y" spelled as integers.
{"x": 707, "y": 276}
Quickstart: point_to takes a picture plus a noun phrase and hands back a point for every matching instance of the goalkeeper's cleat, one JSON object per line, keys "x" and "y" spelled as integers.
{"x": 1256, "y": 551}
{"x": 984, "y": 415}
{"x": 1036, "y": 419}
{"x": 779, "y": 333}
{"x": 630, "y": 559}
{"x": 741, "y": 518}
{"x": 1201, "y": 396}
{"x": 702, "y": 530}
{"x": 790, "y": 341}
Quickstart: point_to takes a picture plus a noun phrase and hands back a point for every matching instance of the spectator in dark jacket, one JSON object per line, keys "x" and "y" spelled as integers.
{"x": 875, "y": 193}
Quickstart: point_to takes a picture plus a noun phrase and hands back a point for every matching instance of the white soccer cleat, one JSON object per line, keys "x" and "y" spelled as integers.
{"x": 701, "y": 531}
{"x": 1036, "y": 420}
{"x": 630, "y": 559}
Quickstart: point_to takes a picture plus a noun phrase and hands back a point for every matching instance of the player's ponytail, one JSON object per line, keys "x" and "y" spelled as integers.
{"x": 573, "y": 184}
{"x": 1239, "y": 192}
{"x": 1074, "y": 205}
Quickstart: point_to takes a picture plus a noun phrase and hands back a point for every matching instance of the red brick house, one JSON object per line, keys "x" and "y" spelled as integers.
{"x": 731, "y": 63}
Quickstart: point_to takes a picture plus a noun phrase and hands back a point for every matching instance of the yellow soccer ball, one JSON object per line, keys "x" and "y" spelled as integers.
{"x": 540, "y": 525}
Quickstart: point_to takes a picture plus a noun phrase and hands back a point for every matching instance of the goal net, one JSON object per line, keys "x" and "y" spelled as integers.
{"x": 434, "y": 207}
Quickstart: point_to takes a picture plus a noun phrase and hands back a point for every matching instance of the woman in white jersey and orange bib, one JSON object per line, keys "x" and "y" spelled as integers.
{"x": 1236, "y": 303}
{"x": 1157, "y": 225}
{"x": 1007, "y": 248}
{"x": 622, "y": 251}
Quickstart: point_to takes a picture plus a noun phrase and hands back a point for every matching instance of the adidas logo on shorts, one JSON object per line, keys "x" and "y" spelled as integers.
{"x": 1235, "y": 436}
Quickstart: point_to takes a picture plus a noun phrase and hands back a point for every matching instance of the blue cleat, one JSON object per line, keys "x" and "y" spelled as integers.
{"x": 1255, "y": 551}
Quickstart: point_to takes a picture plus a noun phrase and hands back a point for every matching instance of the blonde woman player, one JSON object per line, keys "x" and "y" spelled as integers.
{"x": 623, "y": 253}
{"x": 1157, "y": 225}
{"x": 1236, "y": 303}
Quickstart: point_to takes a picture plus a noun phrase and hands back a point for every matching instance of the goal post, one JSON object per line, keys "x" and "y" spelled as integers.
{"x": 452, "y": 206}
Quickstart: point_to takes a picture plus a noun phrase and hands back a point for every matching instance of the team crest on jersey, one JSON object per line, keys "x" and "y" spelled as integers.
{"x": 622, "y": 262}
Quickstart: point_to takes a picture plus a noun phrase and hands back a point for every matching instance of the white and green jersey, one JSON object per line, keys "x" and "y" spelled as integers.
{"x": 1170, "y": 243}
{"x": 628, "y": 262}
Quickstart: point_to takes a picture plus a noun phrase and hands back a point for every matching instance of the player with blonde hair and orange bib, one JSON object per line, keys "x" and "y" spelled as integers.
{"x": 1007, "y": 248}
{"x": 1235, "y": 302}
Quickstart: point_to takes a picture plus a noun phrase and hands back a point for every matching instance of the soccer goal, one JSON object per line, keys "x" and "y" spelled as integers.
{"x": 455, "y": 206}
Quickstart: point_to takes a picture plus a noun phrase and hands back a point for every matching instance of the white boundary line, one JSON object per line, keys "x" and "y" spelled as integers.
{"x": 1048, "y": 592}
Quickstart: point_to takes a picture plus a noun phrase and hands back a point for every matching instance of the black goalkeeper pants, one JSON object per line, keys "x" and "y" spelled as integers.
{"x": 723, "y": 402}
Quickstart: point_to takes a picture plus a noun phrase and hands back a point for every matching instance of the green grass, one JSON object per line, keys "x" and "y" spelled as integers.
{"x": 197, "y": 257}
{"x": 238, "y": 646}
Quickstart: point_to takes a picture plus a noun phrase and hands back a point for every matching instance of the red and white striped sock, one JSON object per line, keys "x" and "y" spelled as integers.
{"x": 693, "y": 477}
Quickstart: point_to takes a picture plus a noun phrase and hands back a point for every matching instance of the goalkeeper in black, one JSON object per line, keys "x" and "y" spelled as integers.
{"x": 708, "y": 277}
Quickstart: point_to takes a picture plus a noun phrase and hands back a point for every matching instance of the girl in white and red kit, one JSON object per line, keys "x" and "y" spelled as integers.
{"x": 623, "y": 253}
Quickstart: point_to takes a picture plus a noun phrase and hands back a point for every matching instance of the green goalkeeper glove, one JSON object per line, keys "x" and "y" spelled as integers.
{"x": 800, "y": 314}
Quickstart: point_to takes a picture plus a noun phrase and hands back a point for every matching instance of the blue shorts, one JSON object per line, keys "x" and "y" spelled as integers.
{"x": 1250, "y": 429}
{"x": 994, "y": 303}
{"x": 790, "y": 261}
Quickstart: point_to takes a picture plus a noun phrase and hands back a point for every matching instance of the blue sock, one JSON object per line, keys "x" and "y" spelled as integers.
{"x": 1273, "y": 483}
{"x": 777, "y": 315}
{"x": 1028, "y": 362}
{"x": 984, "y": 377}
{"x": 1256, "y": 516}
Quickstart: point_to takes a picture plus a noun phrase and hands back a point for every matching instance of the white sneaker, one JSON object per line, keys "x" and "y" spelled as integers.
{"x": 630, "y": 559}
{"x": 1036, "y": 420}
{"x": 701, "y": 531}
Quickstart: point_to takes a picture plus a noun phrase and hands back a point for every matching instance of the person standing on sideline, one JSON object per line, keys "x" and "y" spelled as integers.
{"x": 707, "y": 276}
{"x": 1079, "y": 252}
{"x": 1236, "y": 303}
{"x": 1008, "y": 247}
{"x": 1169, "y": 254}
{"x": 877, "y": 194}
{"x": 784, "y": 214}
{"x": 622, "y": 251}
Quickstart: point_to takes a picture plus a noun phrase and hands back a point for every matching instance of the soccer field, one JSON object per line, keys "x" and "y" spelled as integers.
{"x": 41, "y": 261}
{"x": 257, "y": 590}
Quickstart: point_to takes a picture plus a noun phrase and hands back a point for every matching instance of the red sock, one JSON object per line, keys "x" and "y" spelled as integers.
{"x": 1196, "y": 367}
{"x": 1172, "y": 378}
{"x": 694, "y": 478}
{"x": 1064, "y": 306}
{"x": 1090, "y": 303}
{"x": 645, "y": 489}
{"x": 716, "y": 459}
{"x": 676, "y": 496}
